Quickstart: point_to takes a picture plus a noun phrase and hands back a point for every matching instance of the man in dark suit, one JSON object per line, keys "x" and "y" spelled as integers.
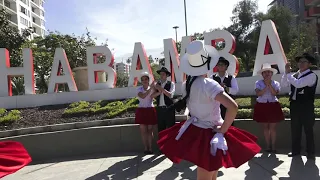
{"x": 164, "y": 98}
{"x": 302, "y": 94}
{"x": 228, "y": 82}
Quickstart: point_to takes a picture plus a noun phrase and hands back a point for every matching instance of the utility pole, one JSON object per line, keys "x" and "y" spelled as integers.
{"x": 185, "y": 17}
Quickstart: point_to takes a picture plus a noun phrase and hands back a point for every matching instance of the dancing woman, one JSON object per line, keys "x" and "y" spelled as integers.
{"x": 146, "y": 114}
{"x": 13, "y": 156}
{"x": 205, "y": 139}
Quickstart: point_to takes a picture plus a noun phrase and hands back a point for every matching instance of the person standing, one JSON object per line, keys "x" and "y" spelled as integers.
{"x": 228, "y": 82}
{"x": 164, "y": 98}
{"x": 146, "y": 114}
{"x": 302, "y": 94}
{"x": 267, "y": 110}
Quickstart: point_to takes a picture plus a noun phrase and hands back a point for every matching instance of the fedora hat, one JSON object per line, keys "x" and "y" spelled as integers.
{"x": 145, "y": 73}
{"x": 308, "y": 57}
{"x": 267, "y": 67}
{"x": 224, "y": 61}
{"x": 164, "y": 69}
{"x": 199, "y": 59}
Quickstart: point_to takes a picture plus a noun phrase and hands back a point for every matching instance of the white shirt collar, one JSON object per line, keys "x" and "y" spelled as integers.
{"x": 224, "y": 76}
{"x": 304, "y": 72}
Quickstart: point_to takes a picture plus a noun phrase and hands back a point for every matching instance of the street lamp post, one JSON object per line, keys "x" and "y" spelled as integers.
{"x": 185, "y": 17}
{"x": 176, "y": 27}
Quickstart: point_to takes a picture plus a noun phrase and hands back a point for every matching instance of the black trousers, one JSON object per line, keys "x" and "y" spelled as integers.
{"x": 223, "y": 111}
{"x": 166, "y": 118}
{"x": 302, "y": 115}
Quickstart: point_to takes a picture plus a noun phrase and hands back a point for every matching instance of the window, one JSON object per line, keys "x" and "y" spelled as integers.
{"x": 33, "y": 19}
{"x": 41, "y": 13}
{"x": 7, "y": 4}
{"x": 9, "y": 16}
{"x": 23, "y": 10}
{"x": 42, "y": 22}
{"x": 34, "y": 29}
{"x": 24, "y": 21}
{"x": 33, "y": 9}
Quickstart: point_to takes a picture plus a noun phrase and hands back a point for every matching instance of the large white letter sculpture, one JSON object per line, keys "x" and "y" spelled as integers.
{"x": 139, "y": 64}
{"x": 172, "y": 59}
{"x": 269, "y": 38}
{"x": 211, "y": 38}
{"x": 60, "y": 62}
{"x": 6, "y": 72}
{"x": 94, "y": 67}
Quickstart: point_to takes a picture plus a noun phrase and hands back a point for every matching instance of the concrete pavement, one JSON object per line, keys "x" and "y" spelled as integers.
{"x": 158, "y": 167}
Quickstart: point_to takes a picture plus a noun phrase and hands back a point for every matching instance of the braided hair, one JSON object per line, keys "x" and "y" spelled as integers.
{"x": 182, "y": 103}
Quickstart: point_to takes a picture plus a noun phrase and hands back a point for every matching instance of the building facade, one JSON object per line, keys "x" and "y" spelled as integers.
{"x": 122, "y": 68}
{"x": 305, "y": 11}
{"x": 26, "y": 13}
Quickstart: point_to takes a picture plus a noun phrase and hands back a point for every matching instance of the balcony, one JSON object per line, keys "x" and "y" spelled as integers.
{"x": 311, "y": 2}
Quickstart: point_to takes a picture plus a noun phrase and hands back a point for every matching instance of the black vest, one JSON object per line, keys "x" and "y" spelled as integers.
{"x": 168, "y": 101}
{"x": 226, "y": 81}
{"x": 308, "y": 92}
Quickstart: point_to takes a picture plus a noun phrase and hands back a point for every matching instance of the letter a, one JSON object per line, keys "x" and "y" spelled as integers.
{"x": 139, "y": 59}
{"x": 269, "y": 31}
{"x": 60, "y": 62}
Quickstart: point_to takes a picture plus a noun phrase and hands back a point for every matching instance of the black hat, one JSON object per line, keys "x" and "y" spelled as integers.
{"x": 164, "y": 69}
{"x": 308, "y": 57}
{"x": 224, "y": 61}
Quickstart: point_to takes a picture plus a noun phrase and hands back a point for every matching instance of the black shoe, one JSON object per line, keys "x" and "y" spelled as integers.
{"x": 293, "y": 154}
{"x": 311, "y": 157}
{"x": 150, "y": 152}
{"x": 274, "y": 151}
{"x": 146, "y": 152}
{"x": 268, "y": 150}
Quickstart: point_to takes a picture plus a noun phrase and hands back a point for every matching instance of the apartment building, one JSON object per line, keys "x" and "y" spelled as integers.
{"x": 26, "y": 13}
{"x": 122, "y": 68}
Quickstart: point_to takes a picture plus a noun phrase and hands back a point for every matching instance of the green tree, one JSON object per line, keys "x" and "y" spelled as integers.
{"x": 122, "y": 80}
{"x": 151, "y": 61}
{"x": 154, "y": 68}
{"x": 12, "y": 39}
{"x": 243, "y": 19}
{"x": 44, "y": 49}
{"x": 307, "y": 40}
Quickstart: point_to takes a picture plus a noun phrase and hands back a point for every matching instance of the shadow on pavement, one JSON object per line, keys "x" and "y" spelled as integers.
{"x": 301, "y": 171}
{"x": 263, "y": 166}
{"x": 183, "y": 169}
{"x": 128, "y": 169}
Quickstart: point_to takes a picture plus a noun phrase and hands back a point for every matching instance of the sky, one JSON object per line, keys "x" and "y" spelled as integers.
{"x": 124, "y": 22}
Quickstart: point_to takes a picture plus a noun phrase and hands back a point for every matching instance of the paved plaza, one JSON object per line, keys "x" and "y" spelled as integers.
{"x": 158, "y": 167}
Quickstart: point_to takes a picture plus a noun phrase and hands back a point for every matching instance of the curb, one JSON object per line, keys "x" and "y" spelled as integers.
{"x": 72, "y": 126}
{"x": 82, "y": 125}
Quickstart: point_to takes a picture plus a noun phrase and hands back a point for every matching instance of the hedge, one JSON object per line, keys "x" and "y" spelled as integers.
{"x": 8, "y": 117}
{"x": 116, "y": 108}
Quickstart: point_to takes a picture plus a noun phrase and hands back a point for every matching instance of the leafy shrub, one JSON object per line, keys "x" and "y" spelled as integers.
{"x": 8, "y": 117}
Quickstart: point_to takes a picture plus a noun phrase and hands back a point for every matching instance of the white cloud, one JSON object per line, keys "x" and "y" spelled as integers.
{"x": 125, "y": 22}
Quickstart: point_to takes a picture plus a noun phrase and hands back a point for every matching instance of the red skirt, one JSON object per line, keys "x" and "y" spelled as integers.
{"x": 269, "y": 112}
{"x": 194, "y": 146}
{"x": 146, "y": 116}
{"x": 13, "y": 156}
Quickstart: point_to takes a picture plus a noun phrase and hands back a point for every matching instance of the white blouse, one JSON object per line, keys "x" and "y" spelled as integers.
{"x": 202, "y": 103}
{"x": 147, "y": 101}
